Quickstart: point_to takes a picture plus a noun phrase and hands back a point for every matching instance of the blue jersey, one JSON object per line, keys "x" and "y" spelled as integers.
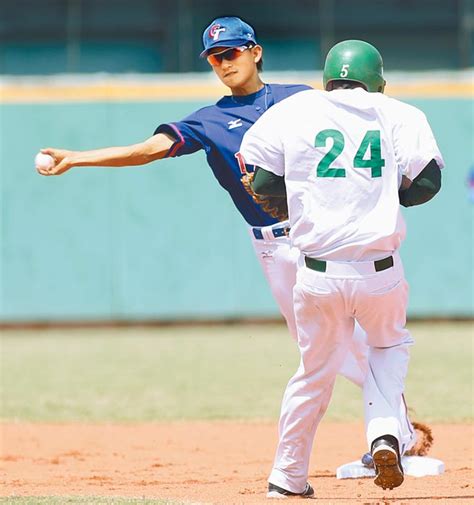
{"x": 219, "y": 129}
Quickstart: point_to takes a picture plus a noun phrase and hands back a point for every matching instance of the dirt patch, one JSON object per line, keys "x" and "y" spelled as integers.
{"x": 222, "y": 463}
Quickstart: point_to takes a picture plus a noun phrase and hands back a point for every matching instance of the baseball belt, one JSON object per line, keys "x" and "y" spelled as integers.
{"x": 321, "y": 265}
{"x": 276, "y": 232}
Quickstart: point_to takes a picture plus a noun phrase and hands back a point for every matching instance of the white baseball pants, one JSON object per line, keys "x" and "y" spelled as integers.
{"x": 326, "y": 307}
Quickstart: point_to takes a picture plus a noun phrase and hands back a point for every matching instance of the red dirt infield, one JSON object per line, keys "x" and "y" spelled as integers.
{"x": 218, "y": 462}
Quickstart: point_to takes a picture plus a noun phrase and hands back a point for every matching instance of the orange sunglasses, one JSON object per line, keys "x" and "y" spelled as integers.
{"x": 228, "y": 54}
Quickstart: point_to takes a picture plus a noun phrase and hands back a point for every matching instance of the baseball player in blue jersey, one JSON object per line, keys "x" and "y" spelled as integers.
{"x": 231, "y": 48}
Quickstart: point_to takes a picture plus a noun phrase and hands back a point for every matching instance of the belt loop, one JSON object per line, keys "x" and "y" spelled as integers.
{"x": 268, "y": 233}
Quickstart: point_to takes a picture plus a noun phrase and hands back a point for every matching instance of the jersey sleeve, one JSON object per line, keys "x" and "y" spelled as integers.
{"x": 188, "y": 133}
{"x": 262, "y": 145}
{"x": 414, "y": 142}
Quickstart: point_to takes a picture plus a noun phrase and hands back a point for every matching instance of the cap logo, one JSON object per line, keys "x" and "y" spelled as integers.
{"x": 215, "y": 31}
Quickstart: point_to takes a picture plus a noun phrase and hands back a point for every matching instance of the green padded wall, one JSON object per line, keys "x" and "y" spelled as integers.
{"x": 164, "y": 241}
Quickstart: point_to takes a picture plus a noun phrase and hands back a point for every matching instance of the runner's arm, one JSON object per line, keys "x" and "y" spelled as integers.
{"x": 423, "y": 188}
{"x": 268, "y": 184}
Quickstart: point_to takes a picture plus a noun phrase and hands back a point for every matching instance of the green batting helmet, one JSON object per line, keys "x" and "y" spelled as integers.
{"x": 355, "y": 60}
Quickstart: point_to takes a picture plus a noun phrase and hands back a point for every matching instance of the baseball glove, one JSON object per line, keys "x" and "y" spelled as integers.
{"x": 275, "y": 206}
{"x": 424, "y": 440}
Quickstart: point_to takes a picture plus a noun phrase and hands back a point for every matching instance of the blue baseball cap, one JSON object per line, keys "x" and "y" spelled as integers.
{"x": 227, "y": 32}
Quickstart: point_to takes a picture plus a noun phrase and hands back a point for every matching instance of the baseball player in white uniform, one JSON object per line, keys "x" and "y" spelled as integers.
{"x": 342, "y": 155}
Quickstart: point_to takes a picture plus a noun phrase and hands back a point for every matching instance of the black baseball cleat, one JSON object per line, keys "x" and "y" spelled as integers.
{"x": 388, "y": 467}
{"x": 275, "y": 491}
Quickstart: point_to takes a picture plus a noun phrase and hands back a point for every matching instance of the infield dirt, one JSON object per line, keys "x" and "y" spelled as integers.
{"x": 221, "y": 463}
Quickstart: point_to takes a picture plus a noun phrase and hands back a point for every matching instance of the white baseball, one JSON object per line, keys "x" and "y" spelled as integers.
{"x": 44, "y": 161}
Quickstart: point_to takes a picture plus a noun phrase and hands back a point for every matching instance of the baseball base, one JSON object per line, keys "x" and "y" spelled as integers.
{"x": 415, "y": 466}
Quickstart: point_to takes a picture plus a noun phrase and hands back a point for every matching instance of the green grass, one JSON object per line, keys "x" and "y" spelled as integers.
{"x": 212, "y": 372}
{"x": 64, "y": 500}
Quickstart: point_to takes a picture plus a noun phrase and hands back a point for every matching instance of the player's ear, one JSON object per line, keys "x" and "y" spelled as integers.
{"x": 257, "y": 52}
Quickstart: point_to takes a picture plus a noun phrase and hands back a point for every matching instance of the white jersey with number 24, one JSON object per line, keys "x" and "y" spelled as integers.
{"x": 343, "y": 154}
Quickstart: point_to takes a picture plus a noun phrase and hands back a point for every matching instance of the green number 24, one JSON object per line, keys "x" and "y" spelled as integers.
{"x": 371, "y": 140}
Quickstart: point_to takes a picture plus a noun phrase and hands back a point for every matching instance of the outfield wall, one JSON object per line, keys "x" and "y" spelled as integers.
{"x": 164, "y": 241}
